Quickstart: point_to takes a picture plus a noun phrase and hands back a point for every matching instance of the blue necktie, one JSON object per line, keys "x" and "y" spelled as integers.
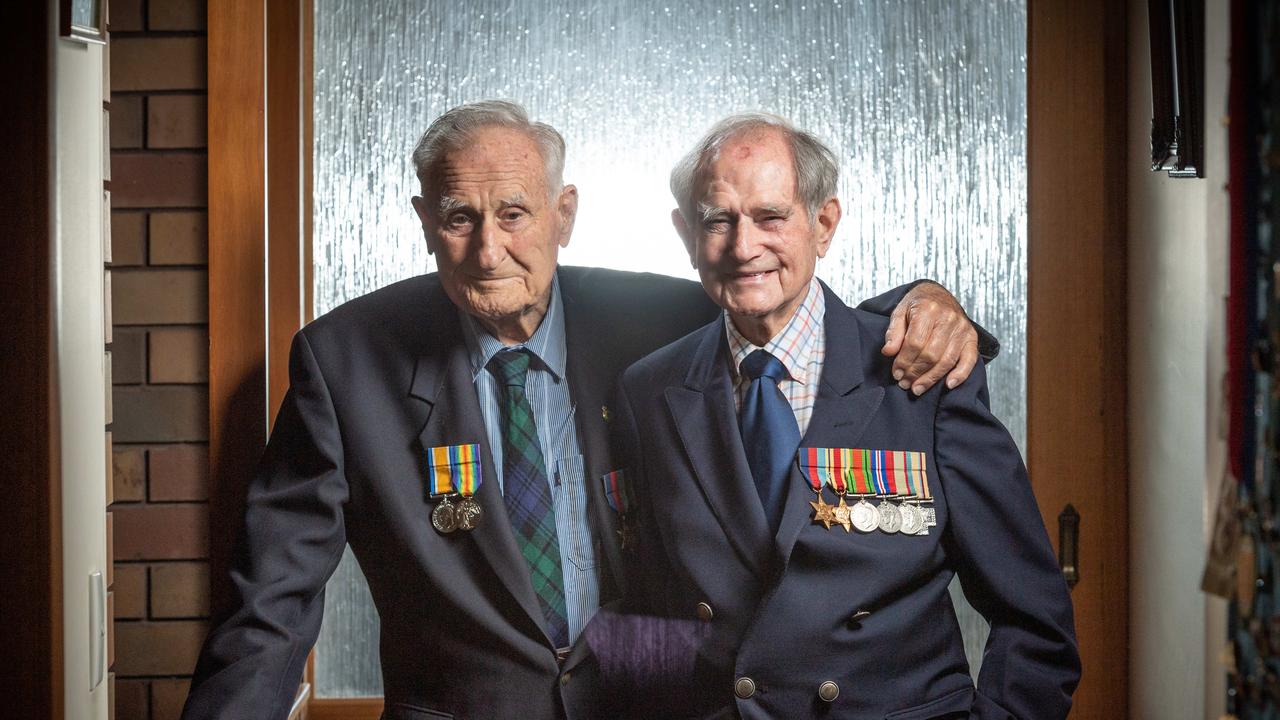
{"x": 770, "y": 435}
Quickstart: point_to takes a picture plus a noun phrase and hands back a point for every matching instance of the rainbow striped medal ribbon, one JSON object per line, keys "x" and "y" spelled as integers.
{"x": 925, "y": 498}
{"x": 859, "y": 483}
{"x": 889, "y": 516}
{"x": 453, "y": 472}
{"x": 815, "y": 465}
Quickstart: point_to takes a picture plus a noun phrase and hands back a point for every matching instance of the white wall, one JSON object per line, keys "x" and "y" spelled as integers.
{"x": 80, "y": 385}
{"x": 1177, "y": 270}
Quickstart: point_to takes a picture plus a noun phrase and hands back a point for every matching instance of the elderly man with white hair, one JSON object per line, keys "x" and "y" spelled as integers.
{"x": 452, "y": 429}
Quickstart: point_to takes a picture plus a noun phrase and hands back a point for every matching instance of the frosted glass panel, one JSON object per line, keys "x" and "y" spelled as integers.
{"x": 925, "y": 103}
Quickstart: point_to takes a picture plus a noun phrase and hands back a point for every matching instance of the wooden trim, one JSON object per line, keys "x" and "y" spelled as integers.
{"x": 31, "y": 668}
{"x": 1076, "y": 319}
{"x": 349, "y": 709}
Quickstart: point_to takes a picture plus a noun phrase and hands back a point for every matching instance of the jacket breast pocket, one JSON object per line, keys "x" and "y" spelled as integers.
{"x": 955, "y": 705}
{"x": 402, "y": 711}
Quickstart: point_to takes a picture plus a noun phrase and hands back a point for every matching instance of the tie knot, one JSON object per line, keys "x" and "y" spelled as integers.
{"x": 763, "y": 364}
{"x": 510, "y": 366}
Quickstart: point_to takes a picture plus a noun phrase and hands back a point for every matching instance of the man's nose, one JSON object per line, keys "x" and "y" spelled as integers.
{"x": 745, "y": 241}
{"x": 491, "y": 247}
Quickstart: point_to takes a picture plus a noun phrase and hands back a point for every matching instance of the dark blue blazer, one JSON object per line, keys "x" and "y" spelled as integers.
{"x": 871, "y": 612}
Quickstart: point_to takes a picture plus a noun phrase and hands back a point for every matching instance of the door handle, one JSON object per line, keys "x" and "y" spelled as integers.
{"x": 1069, "y": 544}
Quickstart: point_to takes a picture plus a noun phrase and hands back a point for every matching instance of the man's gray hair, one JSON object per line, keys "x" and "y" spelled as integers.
{"x": 816, "y": 168}
{"x": 453, "y": 129}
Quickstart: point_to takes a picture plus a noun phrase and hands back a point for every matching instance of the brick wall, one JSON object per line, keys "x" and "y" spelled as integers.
{"x": 160, "y": 351}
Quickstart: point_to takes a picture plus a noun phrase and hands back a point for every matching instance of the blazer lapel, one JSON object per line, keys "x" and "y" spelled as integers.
{"x": 443, "y": 380}
{"x": 707, "y": 421}
{"x": 841, "y": 413}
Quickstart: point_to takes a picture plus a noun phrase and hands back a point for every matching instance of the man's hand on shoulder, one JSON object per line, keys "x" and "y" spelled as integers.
{"x": 931, "y": 337}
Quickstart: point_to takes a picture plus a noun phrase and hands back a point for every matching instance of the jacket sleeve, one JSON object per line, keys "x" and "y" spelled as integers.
{"x": 996, "y": 541}
{"x": 289, "y": 545}
{"x": 884, "y": 304}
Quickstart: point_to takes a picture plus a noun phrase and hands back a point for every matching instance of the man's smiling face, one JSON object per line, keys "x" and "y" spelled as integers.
{"x": 753, "y": 241}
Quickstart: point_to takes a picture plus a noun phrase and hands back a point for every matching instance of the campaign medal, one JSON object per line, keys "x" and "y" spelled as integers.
{"x": 836, "y": 479}
{"x": 889, "y": 517}
{"x": 926, "y": 499}
{"x": 465, "y": 482}
{"x": 858, "y": 481}
{"x": 453, "y": 471}
{"x": 913, "y": 521}
{"x": 618, "y": 492}
{"x": 815, "y": 465}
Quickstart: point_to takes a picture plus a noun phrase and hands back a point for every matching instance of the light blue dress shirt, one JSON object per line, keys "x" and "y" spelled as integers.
{"x": 548, "y": 392}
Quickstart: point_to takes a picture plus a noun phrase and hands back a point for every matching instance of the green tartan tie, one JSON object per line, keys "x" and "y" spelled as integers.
{"x": 527, "y": 494}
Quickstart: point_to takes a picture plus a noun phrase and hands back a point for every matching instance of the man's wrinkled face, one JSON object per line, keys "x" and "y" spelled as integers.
{"x": 493, "y": 227}
{"x": 752, "y": 241}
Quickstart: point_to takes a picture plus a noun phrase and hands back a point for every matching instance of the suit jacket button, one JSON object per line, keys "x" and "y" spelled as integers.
{"x": 858, "y": 617}
{"x": 828, "y": 691}
{"x": 705, "y": 613}
{"x": 744, "y": 688}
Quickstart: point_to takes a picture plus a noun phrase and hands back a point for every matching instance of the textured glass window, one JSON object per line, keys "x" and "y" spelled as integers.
{"x": 924, "y": 101}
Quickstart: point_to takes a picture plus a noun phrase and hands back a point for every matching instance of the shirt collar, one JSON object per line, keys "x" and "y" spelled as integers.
{"x": 794, "y": 345}
{"x": 547, "y": 345}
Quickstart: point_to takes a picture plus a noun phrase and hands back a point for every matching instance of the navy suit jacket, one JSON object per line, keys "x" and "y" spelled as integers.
{"x": 869, "y": 612}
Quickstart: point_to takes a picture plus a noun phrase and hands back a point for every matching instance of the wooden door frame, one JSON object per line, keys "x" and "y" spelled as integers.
{"x": 1076, "y": 118}
{"x": 31, "y": 668}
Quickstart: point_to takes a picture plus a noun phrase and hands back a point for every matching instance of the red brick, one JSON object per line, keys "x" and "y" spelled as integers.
{"x": 126, "y": 16}
{"x": 133, "y": 700}
{"x": 180, "y": 590}
{"x": 176, "y": 15}
{"x": 128, "y": 238}
{"x": 131, "y": 591}
{"x": 160, "y": 297}
{"x": 178, "y": 355}
{"x": 158, "y": 648}
{"x": 128, "y": 357}
{"x": 172, "y": 179}
{"x": 179, "y": 472}
{"x": 111, "y": 630}
{"x": 152, "y": 63}
{"x": 167, "y": 698}
{"x": 179, "y": 238}
{"x": 161, "y": 414}
{"x": 169, "y": 531}
{"x": 128, "y": 474}
{"x": 176, "y": 121}
{"x": 126, "y": 120}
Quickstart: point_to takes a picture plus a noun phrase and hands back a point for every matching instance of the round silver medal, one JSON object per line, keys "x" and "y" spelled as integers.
{"x": 912, "y": 519}
{"x": 444, "y": 518}
{"x": 864, "y": 516}
{"x": 468, "y": 514}
{"x": 890, "y": 517}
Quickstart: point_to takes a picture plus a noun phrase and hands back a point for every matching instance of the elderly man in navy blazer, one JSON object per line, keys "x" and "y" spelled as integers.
{"x": 452, "y": 429}
{"x": 802, "y": 512}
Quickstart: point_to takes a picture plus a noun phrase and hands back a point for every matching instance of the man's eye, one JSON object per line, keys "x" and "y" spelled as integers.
{"x": 717, "y": 225}
{"x": 512, "y": 214}
{"x": 459, "y": 220}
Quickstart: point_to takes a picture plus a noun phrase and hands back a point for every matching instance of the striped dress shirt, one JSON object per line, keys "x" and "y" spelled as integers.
{"x": 548, "y": 393}
{"x": 801, "y": 347}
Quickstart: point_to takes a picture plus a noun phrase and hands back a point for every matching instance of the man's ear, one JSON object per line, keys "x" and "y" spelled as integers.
{"x": 825, "y": 225}
{"x": 567, "y": 206}
{"x": 686, "y": 236}
{"x": 420, "y": 207}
